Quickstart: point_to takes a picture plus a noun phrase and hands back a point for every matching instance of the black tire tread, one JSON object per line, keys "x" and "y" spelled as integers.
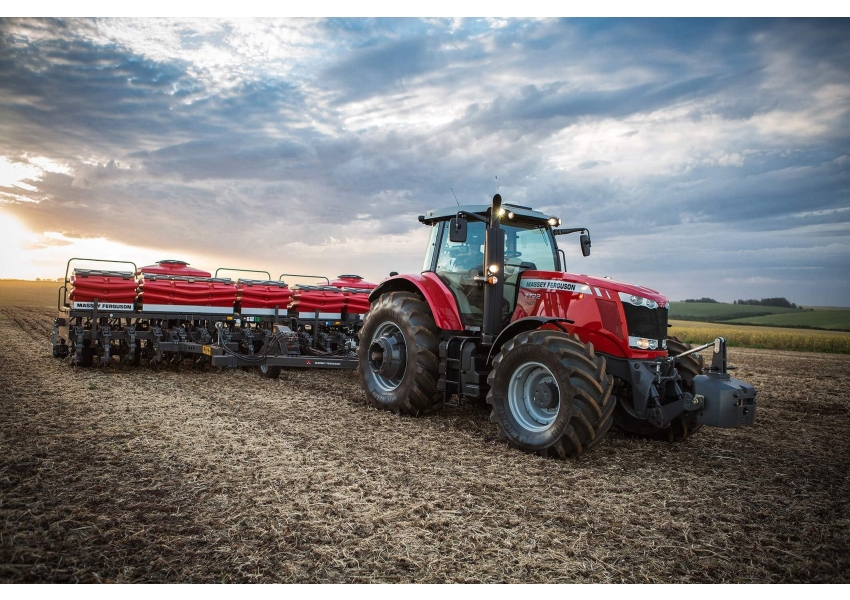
{"x": 271, "y": 371}
{"x": 422, "y": 398}
{"x": 689, "y": 366}
{"x": 592, "y": 400}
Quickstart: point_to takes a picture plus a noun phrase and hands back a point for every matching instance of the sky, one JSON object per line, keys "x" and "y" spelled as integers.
{"x": 707, "y": 157}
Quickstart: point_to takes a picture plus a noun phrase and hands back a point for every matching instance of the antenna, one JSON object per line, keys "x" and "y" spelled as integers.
{"x": 453, "y": 194}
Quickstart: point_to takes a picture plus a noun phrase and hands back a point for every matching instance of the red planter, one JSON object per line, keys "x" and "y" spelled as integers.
{"x": 173, "y": 267}
{"x": 353, "y": 282}
{"x": 329, "y": 301}
{"x": 114, "y": 290}
{"x": 168, "y": 293}
{"x": 261, "y": 297}
{"x": 357, "y": 300}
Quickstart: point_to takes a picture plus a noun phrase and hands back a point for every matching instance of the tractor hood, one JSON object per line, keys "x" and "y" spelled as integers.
{"x": 599, "y": 285}
{"x": 619, "y": 286}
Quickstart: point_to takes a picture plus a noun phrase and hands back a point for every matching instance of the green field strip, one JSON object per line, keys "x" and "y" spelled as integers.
{"x": 818, "y": 319}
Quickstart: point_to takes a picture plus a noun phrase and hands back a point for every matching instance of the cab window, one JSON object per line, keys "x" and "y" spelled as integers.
{"x": 458, "y": 263}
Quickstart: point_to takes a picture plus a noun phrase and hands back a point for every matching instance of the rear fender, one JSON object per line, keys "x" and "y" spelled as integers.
{"x": 522, "y": 325}
{"x": 436, "y": 294}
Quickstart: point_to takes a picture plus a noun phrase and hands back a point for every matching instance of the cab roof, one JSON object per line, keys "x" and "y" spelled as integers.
{"x": 523, "y": 212}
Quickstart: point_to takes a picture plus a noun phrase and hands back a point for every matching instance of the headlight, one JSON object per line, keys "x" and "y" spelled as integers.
{"x": 636, "y": 342}
{"x": 638, "y": 301}
{"x": 643, "y": 343}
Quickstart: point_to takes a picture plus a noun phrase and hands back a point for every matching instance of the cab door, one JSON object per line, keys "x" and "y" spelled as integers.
{"x": 457, "y": 265}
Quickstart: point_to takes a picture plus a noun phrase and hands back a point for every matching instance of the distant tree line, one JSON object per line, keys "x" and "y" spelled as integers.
{"x": 709, "y": 300}
{"x": 779, "y": 302}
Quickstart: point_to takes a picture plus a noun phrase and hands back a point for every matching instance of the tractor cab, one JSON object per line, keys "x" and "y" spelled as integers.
{"x": 458, "y": 260}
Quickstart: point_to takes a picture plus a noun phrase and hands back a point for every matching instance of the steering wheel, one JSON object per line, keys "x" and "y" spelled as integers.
{"x": 471, "y": 274}
{"x": 512, "y": 254}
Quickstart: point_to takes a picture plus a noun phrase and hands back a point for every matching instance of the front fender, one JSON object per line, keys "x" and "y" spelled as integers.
{"x": 521, "y": 325}
{"x": 436, "y": 294}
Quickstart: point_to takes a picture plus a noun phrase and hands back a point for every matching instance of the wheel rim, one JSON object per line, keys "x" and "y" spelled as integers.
{"x": 388, "y": 356}
{"x": 533, "y": 396}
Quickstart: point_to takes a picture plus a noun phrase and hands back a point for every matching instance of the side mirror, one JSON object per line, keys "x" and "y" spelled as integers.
{"x": 585, "y": 244}
{"x": 457, "y": 230}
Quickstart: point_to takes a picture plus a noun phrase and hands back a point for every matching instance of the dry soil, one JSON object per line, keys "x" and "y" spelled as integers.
{"x": 131, "y": 475}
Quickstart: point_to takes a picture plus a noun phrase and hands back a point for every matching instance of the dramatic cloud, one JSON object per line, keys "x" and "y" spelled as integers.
{"x": 708, "y": 157}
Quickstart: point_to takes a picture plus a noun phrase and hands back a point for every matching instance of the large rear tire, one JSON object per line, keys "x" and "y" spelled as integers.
{"x": 550, "y": 394}
{"x": 399, "y": 355}
{"x": 680, "y": 428}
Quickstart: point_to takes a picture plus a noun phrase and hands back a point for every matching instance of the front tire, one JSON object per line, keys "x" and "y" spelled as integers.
{"x": 398, "y": 355}
{"x": 550, "y": 394}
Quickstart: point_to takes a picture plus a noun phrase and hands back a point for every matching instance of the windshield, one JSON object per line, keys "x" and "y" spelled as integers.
{"x": 532, "y": 246}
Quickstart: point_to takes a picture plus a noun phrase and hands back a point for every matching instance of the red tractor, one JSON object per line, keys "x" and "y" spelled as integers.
{"x": 559, "y": 357}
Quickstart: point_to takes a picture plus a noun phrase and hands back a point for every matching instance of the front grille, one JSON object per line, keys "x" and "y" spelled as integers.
{"x": 650, "y": 323}
{"x": 610, "y": 316}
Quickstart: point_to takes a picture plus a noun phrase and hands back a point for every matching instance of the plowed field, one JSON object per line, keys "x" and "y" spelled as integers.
{"x": 132, "y": 475}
